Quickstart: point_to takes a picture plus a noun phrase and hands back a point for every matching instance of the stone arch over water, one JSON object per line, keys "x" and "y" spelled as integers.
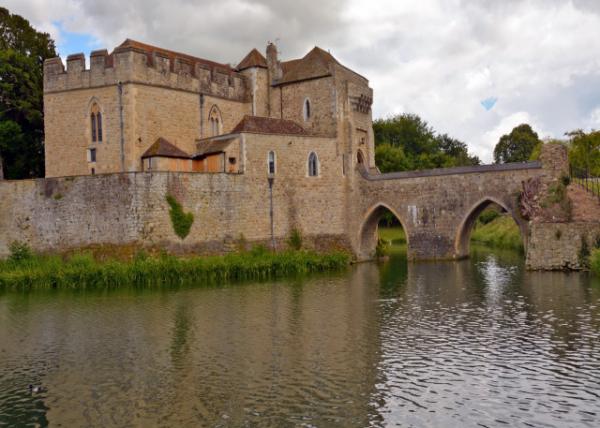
{"x": 367, "y": 234}
{"x": 463, "y": 235}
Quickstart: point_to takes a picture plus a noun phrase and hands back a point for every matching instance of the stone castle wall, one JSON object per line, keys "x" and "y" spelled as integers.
{"x": 130, "y": 210}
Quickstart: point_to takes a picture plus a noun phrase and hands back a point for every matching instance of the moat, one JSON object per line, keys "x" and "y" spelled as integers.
{"x": 480, "y": 342}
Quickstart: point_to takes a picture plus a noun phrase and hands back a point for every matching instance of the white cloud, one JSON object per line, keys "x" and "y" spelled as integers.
{"x": 436, "y": 58}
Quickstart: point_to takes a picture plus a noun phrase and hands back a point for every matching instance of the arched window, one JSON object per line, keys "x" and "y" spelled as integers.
{"x": 313, "y": 165}
{"x": 96, "y": 123}
{"x": 306, "y": 109}
{"x": 359, "y": 157}
{"x": 271, "y": 163}
{"x": 216, "y": 123}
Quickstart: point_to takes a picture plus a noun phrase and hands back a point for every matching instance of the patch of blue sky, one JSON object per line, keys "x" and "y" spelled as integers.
{"x": 72, "y": 42}
{"x": 489, "y": 103}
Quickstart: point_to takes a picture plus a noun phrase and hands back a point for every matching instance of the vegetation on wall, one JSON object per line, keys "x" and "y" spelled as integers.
{"x": 406, "y": 142}
{"x": 595, "y": 261}
{"x": 295, "y": 239}
{"x": 22, "y": 54}
{"x": 24, "y": 272}
{"x": 181, "y": 221}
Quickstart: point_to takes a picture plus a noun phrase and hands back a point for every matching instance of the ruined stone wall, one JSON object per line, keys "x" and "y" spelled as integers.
{"x": 560, "y": 246}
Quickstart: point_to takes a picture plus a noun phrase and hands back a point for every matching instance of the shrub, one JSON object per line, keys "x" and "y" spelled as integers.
{"x": 295, "y": 240}
{"x": 19, "y": 251}
{"x": 488, "y": 215}
{"x": 181, "y": 221}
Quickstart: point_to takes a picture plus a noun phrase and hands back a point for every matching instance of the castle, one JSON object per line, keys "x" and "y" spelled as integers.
{"x": 256, "y": 154}
{"x": 143, "y": 108}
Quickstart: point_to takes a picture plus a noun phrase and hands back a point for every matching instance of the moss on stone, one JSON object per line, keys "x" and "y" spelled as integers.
{"x": 181, "y": 221}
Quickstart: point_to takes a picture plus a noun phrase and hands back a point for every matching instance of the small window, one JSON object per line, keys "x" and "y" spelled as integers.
{"x": 93, "y": 171}
{"x": 306, "y": 110}
{"x": 232, "y": 161}
{"x": 313, "y": 165}
{"x": 149, "y": 163}
{"x": 91, "y": 155}
{"x": 271, "y": 163}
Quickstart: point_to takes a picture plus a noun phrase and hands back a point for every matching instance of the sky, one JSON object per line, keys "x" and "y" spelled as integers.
{"x": 473, "y": 69}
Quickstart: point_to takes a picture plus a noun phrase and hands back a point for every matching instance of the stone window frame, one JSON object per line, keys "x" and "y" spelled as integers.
{"x": 215, "y": 119}
{"x": 313, "y": 170}
{"x": 97, "y": 130}
{"x": 274, "y": 161}
{"x": 307, "y": 109}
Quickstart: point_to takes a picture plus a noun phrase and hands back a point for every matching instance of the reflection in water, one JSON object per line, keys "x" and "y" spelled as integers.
{"x": 475, "y": 342}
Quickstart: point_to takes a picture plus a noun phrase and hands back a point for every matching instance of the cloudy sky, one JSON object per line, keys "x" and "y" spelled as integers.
{"x": 472, "y": 68}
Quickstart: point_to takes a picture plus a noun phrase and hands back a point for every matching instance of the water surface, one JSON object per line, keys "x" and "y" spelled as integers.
{"x": 474, "y": 343}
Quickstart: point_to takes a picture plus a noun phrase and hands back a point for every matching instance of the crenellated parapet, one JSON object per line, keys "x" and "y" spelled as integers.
{"x": 132, "y": 64}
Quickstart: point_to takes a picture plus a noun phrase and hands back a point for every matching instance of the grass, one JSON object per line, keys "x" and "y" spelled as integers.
{"x": 392, "y": 235}
{"x": 502, "y": 232}
{"x": 595, "y": 261}
{"x": 82, "y": 271}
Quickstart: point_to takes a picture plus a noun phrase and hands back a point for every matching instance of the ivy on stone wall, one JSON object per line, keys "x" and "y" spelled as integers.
{"x": 181, "y": 221}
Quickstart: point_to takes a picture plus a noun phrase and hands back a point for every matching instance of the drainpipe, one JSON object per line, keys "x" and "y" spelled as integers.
{"x": 271, "y": 180}
{"x": 201, "y": 100}
{"x": 122, "y": 142}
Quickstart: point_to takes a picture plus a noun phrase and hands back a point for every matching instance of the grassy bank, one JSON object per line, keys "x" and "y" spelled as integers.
{"x": 82, "y": 271}
{"x": 595, "y": 261}
{"x": 501, "y": 232}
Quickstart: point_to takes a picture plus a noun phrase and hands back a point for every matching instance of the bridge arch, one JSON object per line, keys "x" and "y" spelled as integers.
{"x": 367, "y": 233}
{"x": 463, "y": 235}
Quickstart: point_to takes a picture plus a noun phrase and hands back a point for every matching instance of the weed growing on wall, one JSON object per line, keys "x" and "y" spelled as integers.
{"x": 584, "y": 253}
{"x": 295, "y": 239}
{"x": 181, "y": 221}
{"x": 595, "y": 261}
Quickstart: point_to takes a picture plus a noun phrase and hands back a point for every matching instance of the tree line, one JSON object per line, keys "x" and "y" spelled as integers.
{"x": 406, "y": 142}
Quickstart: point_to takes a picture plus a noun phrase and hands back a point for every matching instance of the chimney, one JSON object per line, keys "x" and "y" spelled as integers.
{"x": 275, "y": 72}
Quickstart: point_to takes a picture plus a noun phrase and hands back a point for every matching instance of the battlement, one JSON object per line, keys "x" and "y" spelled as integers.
{"x": 134, "y": 64}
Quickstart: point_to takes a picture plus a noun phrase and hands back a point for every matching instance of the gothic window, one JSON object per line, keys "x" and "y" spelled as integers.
{"x": 313, "y": 165}
{"x": 96, "y": 123}
{"x": 215, "y": 121}
{"x": 271, "y": 163}
{"x": 306, "y": 109}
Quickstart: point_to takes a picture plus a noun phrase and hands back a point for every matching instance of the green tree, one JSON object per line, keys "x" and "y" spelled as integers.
{"x": 407, "y": 142}
{"x": 22, "y": 54}
{"x": 584, "y": 152}
{"x": 516, "y": 146}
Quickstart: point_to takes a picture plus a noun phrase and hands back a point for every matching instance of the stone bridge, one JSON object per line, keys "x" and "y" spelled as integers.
{"x": 438, "y": 208}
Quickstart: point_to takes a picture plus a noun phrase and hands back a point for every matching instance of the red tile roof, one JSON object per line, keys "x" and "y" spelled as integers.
{"x": 150, "y": 50}
{"x": 253, "y": 59}
{"x": 162, "y": 148}
{"x": 268, "y": 125}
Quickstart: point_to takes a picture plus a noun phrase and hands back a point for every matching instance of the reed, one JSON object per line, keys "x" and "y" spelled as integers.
{"x": 82, "y": 271}
{"x": 595, "y": 261}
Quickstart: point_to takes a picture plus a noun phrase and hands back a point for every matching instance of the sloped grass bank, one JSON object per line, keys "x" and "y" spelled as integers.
{"x": 502, "y": 232}
{"x": 82, "y": 271}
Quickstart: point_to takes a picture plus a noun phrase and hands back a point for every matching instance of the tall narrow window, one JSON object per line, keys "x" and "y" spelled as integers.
{"x": 214, "y": 117}
{"x": 93, "y": 121}
{"x": 306, "y": 109}
{"x": 271, "y": 163}
{"x": 99, "y": 122}
{"x": 313, "y": 165}
{"x": 96, "y": 123}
